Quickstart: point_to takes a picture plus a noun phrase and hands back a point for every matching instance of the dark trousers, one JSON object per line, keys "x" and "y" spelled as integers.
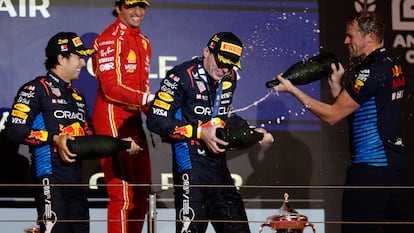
{"x": 375, "y": 207}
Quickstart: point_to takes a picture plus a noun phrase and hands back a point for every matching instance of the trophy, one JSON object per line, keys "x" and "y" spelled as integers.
{"x": 288, "y": 220}
{"x": 32, "y": 229}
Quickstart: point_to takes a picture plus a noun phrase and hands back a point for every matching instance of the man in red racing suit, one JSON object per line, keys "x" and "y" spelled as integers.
{"x": 122, "y": 65}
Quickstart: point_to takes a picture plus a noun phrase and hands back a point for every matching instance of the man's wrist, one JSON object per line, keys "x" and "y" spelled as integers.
{"x": 198, "y": 132}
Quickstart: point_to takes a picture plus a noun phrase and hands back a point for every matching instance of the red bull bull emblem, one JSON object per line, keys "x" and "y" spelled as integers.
{"x": 39, "y": 135}
{"x": 186, "y": 130}
{"x": 74, "y": 129}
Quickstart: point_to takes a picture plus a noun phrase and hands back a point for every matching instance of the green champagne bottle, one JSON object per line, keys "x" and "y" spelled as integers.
{"x": 238, "y": 136}
{"x": 310, "y": 70}
{"x": 96, "y": 146}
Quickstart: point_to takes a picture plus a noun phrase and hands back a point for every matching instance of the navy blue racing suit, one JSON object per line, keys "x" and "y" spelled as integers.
{"x": 379, "y": 157}
{"x": 183, "y": 103}
{"x": 44, "y": 107}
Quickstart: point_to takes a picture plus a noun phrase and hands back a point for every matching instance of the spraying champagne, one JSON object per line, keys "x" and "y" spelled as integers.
{"x": 310, "y": 70}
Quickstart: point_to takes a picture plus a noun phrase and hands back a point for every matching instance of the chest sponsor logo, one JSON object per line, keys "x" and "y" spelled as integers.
{"x": 22, "y": 107}
{"x": 23, "y": 100}
{"x": 397, "y": 95}
{"x": 174, "y": 77}
{"x": 19, "y": 114}
{"x": 59, "y": 101}
{"x": 131, "y": 65}
{"x": 18, "y": 121}
{"x": 162, "y": 104}
{"x": 29, "y": 94}
{"x": 159, "y": 112}
{"x": 106, "y": 60}
{"x": 106, "y": 52}
{"x": 56, "y": 91}
{"x": 360, "y": 80}
{"x": 165, "y": 96}
{"x": 106, "y": 66}
{"x": 201, "y": 86}
{"x": 30, "y": 88}
{"x": 61, "y": 114}
{"x": 227, "y": 85}
{"x": 167, "y": 90}
{"x": 144, "y": 44}
{"x": 130, "y": 68}
{"x": 206, "y": 111}
{"x": 201, "y": 97}
{"x": 226, "y": 95}
{"x": 76, "y": 97}
{"x": 170, "y": 85}
{"x": 399, "y": 78}
{"x": 80, "y": 105}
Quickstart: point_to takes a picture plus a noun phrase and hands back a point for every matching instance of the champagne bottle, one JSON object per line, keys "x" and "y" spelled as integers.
{"x": 96, "y": 146}
{"x": 310, "y": 70}
{"x": 238, "y": 136}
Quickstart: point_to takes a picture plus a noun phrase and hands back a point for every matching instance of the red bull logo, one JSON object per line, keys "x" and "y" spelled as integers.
{"x": 399, "y": 80}
{"x": 74, "y": 129}
{"x": 186, "y": 131}
{"x": 358, "y": 85}
{"x": 39, "y": 135}
{"x": 396, "y": 71}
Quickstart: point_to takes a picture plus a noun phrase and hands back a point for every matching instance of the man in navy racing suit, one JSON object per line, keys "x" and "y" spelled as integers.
{"x": 193, "y": 101}
{"x": 373, "y": 100}
{"x": 46, "y": 112}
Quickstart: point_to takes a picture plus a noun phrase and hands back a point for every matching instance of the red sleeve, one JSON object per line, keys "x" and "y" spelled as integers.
{"x": 122, "y": 71}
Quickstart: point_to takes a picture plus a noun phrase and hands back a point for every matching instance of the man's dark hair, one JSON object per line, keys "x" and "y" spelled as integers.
{"x": 120, "y": 3}
{"x": 117, "y": 4}
{"x": 52, "y": 62}
{"x": 369, "y": 22}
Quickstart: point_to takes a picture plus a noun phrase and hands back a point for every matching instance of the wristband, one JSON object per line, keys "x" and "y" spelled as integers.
{"x": 198, "y": 132}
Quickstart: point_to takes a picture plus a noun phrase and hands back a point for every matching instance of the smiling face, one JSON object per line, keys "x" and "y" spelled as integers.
{"x": 355, "y": 41}
{"x": 213, "y": 67}
{"x": 69, "y": 68}
{"x": 132, "y": 16}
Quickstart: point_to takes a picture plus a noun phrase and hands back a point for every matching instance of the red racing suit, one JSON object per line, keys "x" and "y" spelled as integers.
{"x": 122, "y": 65}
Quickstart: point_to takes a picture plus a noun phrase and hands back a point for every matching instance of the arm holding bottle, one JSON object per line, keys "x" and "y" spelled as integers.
{"x": 93, "y": 146}
{"x": 335, "y": 79}
{"x": 343, "y": 106}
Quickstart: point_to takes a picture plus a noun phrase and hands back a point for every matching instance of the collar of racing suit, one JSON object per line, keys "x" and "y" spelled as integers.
{"x": 57, "y": 80}
{"x": 126, "y": 29}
